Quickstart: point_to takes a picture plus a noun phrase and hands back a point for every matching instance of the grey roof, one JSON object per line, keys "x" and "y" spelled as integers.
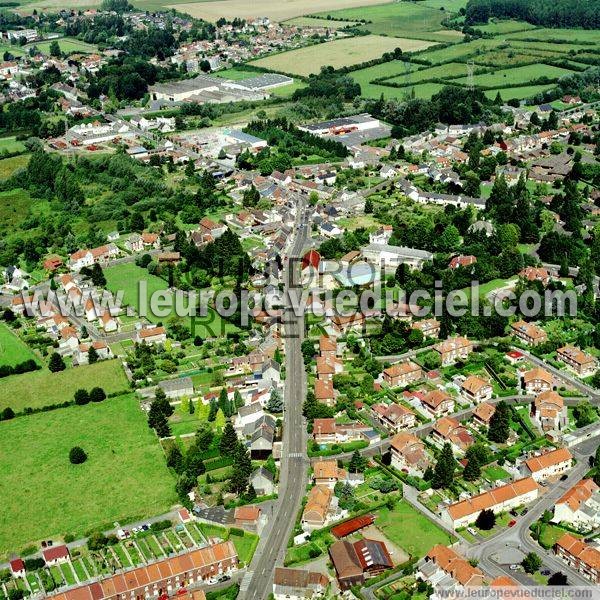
{"x": 262, "y": 472}
{"x": 399, "y": 250}
{"x": 263, "y": 81}
{"x": 180, "y": 383}
{"x": 200, "y": 82}
{"x": 249, "y": 409}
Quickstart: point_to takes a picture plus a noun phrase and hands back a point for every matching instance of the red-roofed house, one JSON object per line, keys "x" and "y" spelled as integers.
{"x": 17, "y": 567}
{"x": 56, "y": 555}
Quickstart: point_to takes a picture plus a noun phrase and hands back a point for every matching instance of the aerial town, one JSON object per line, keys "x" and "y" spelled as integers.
{"x": 299, "y": 300}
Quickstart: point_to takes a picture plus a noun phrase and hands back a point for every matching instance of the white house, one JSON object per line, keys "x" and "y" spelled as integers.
{"x": 580, "y": 506}
{"x": 548, "y": 465}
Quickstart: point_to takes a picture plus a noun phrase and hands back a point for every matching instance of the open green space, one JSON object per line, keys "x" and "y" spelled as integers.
{"x": 518, "y": 93}
{"x": 9, "y": 165}
{"x": 571, "y": 36}
{"x": 408, "y": 528}
{"x": 11, "y": 144}
{"x": 317, "y": 22}
{"x": 44, "y": 388}
{"x": 399, "y": 19}
{"x": 43, "y": 495}
{"x": 245, "y": 546}
{"x": 12, "y": 349}
{"x": 517, "y": 75}
{"x": 495, "y": 473}
{"x": 503, "y": 26}
{"x": 68, "y": 45}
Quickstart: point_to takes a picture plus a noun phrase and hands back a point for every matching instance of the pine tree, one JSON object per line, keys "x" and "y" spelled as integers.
{"x": 175, "y": 459}
{"x": 443, "y": 474}
{"x": 473, "y": 469}
{"x": 56, "y": 363}
{"x": 213, "y": 410}
{"x": 224, "y": 403}
{"x": 486, "y": 520}
{"x": 238, "y": 401}
{"x": 92, "y": 355}
{"x": 98, "y": 278}
{"x": 499, "y": 428}
{"x": 275, "y": 403}
{"x": 229, "y": 440}
{"x": 357, "y": 463}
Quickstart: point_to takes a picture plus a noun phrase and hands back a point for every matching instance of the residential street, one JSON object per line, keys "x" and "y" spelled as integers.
{"x": 257, "y": 583}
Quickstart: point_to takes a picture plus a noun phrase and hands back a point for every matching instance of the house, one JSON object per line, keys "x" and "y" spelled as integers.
{"x": 580, "y": 506}
{"x": 151, "y": 240}
{"x": 247, "y": 516}
{"x": 324, "y": 431}
{"x": 327, "y": 473}
{"x": 540, "y": 274}
{"x": 394, "y": 417}
{"x": 171, "y": 576}
{"x": 444, "y": 567}
{"x": 483, "y": 413}
{"x": 437, "y": 403}
{"x": 454, "y": 349}
{"x": 134, "y": 243}
{"x": 108, "y": 322}
{"x": 356, "y": 562}
{"x": 582, "y": 363}
{"x": 263, "y": 436}
{"x": 537, "y": 380}
{"x": 475, "y": 389}
{"x": 450, "y": 430}
{"x": 327, "y": 347}
{"x": 324, "y": 392}
{"x": 430, "y": 328}
{"x": 17, "y": 567}
{"x": 56, "y": 555}
{"x": 581, "y": 557}
{"x": 529, "y": 333}
{"x": 548, "y": 411}
{"x": 297, "y": 584}
{"x": 402, "y": 374}
{"x": 177, "y": 387}
{"x": 211, "y": 230}
{"x": 82, "y": 356}
{"x": 382, "y": 235}
{"x": 549, "y": 465}
{"x": 462, "y": 261}
{"x": 500, "y": 499}
{"x": 319, "y": 507}
{"x": 248, "y": 415}
{"x": 151, "y": 335}
{"x": 408, "y": 454}
{"x": 271, "y": 371}
{"x": 263, "y": 481}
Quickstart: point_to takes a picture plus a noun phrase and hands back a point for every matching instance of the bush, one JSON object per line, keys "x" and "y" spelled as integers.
{"x": 81, "y": 397}
{"x": 77, "y": 455}
{"x": 237, "y": 532}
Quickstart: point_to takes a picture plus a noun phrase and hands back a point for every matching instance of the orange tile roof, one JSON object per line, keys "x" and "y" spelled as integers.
{"x": 484, "y": 411}
{"x": 401, "y": 369}
{"x": 247, "y": 513}
{"x": 474, "y": 384}
{"x": 579, "y": 493}
{"x": 538, "y": 373}
{"x": 548, "y": 459}
{"x": 588, "y": 555}
{"x": 327, "y": 469}
{"x": 435, "y": 398}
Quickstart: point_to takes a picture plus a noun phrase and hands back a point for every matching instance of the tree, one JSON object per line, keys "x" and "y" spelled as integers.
{"x": 357, "y": 463}
{"x": 241, "y": 469}
{"x": 92, "y": 355}
{"x": 56, "y": 363}
{"x": 213, "y": 409}
{"x": 81, "y": 397}
{"x": 275, "y": 403}
{"x": 308, "y": 351}
{"x": 97, "y": 394}
{"x": 531, "y": 563}
{"x": 584, "y": 413}
{"x": 98, "y": 278}
{"x": 7, "y": 414}
{"x": 55, "y": 49}
{"x": 486, "y": 520}
{"x": 204, "y": 436}
{"x": 443, "y": 474}
{"x": 229, "y": 441}
{"x": 499, "y": 428}
{"x": 558, "y": 578}
{"x": 472, "y": 184}
{"x": 473, "y": 469}
{"x": 238, "y": 401}
{"x": 77, "y": 455}
{"x": 175, "y": 459}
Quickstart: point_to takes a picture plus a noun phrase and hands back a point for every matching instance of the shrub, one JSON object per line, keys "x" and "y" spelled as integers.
{"x": 77, "y": 455}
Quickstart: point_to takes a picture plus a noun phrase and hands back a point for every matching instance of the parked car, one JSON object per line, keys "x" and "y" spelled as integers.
{"x": 514, "y": 567}
{"x": 224, "y": 578}
{"x": 564, "y": 477}
{"x": 512, "y": 523}
{"x": 471, "y": 531}
{"x": 546, "y": 572}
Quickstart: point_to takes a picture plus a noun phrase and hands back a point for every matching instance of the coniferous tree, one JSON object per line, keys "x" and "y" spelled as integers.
{"x": 229, "y": 441}
{"x": 499, "y": 428}
{"x": 445, "y": 467}
{"x": 56, "y": 363}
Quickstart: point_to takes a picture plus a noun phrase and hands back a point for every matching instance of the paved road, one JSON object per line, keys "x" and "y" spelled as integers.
{"x": 258, "y": 581}
{"x": 519, "y": 537}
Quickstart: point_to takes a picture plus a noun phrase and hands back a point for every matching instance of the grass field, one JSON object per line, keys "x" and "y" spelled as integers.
{"x": 14, "y": 205}
{"x": 43, "y": 388}
{"x": 67, "y": 45}
{"x": 517, "y": 75}
{"x": 339, "y": 53}
{"x": 399, "y": 19}
{"x": 500, "y": 27}
{"x": 572, "y": 36}
{"x": 124, "y": 477}
{"x": 317, "y": 22}
{"x": 519, "y": 93}
{"x": 10, "y": 144}
{"x": 12, "y": 349}
{"x": 276, "y": 10}
{"x": 440, "y": 71}
{"x": 409, "y": 529}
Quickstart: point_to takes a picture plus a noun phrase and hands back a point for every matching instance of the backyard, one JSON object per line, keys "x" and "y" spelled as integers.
{"x": 12, "y": 349}
{"x": 45, "y": 496}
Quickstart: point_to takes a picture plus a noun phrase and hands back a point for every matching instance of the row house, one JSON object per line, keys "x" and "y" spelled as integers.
{"x": 443, "y": 567}
{"x": 402, "y": 374}
{"x": 500, "y": 499}
{"x": 454, "y": 349}
{"x": 86, "y": 258}
{"x": 529, "y": 333}
{"x": 582, "y": 363}
{"x": 580, "y": 506}
{"x": 581, "y": 557}
{"x": 549, "y": 465}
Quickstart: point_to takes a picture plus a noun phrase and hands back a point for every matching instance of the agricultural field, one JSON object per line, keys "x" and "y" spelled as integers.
{"x": 572, "y": 36}
{"x": 399, "y": 19}
{"x": 516, "y": 76}
{"x": 318, "y": 22}
{"x": 518, "y": 93}
{"x": 124, "y": 459}
{"x": 44, "y": 388}
{"x": 12, "y": 349}
{"x": 504, "y": 26}
{"x": 339, "y": 53}
{"x": 212, "y": 10}
{"x": 447, "y": 71}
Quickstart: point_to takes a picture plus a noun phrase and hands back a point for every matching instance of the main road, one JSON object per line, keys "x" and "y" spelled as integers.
{"x": 258, "y": 581}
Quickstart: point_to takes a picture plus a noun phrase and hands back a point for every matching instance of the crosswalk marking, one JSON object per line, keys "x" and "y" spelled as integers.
{"x": 296, "y": 455}
{"x": 245, "y": 583}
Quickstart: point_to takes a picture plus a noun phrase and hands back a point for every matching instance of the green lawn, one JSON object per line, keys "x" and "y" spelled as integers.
{"x": 518, "y": 93}
{"x": 495, "y": 473}
{"x": 43, "y": 388}
{"x": 409, "y": 529}
{"x": 43, "y": 495}
{"x": 67, "y": 45}
{"x": 517, "y": 75}
{"x": 245, "y": 546}
{"x": 10, "y": 144}
{"x": 12, "y": 349}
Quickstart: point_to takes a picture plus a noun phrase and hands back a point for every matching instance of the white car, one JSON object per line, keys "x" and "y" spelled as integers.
{"x": 514, "y": 567}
